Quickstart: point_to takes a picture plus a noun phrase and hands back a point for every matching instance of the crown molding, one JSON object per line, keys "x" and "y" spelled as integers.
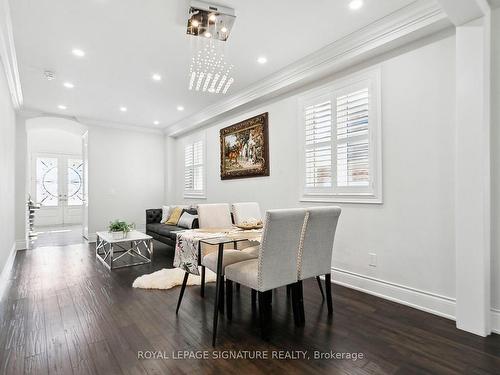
{"x": 117, "y": 125}
{"x": 418, "y": 19}
{"x": 29, "y": 113}
{"x": 462, "y": 11}
{"x": 9, "y": 57}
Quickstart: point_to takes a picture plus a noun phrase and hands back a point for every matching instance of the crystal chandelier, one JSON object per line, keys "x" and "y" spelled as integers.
{"x": 209, "y": 72}
{"x": 209, "y": 27}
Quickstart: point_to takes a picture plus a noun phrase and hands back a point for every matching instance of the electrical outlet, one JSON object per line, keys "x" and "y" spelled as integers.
{"x": 373, "y": 259}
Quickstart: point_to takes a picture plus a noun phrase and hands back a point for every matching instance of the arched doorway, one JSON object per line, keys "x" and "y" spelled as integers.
{"x": 57, "y": 178}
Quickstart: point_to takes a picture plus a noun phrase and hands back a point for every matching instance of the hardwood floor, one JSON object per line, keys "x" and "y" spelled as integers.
{"x": 64, "y": 313}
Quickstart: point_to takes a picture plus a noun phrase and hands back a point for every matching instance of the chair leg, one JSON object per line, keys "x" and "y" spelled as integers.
{"x": 300, "y": 291}
{"x": 254, "y": 297}
{"x": 265, "y": 313}
{"x": 289, "y": 289}
{"x": 229, "y": 299}
{"x": 202, "y": 289}
{"x": 183, "y": 287}
{"x": 238, "y": 287}
{"x": 328, "y": 290}
{"x": 320, "y": 288}
{"x": 295, "y": 303}
{"x": 221, "y": 295}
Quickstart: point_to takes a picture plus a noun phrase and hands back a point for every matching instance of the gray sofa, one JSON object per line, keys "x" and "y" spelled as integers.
{"x": 163, "y": 232}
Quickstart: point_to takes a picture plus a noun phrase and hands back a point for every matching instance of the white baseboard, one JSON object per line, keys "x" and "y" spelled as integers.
{"x": 4, "y": 276}
{"x": 21, "y": 244}
{"x": 425, "y": 301}
{"x": 495, "y": 321}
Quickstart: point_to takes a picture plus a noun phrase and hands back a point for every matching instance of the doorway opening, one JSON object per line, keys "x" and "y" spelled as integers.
{"x": 57, "y": 181}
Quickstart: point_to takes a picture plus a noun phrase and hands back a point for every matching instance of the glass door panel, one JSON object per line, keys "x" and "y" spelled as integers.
{"x": 75, "y": 182}
{"x": 47, "y": 181}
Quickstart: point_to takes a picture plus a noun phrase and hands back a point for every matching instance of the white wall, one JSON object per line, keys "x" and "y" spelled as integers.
{"x": 126, "y": 175}
{"x": 495, "y": 162}
{"x": 412, "y": 233}
{"x": 7, "y": 173}
{"x": 54, "y": 141}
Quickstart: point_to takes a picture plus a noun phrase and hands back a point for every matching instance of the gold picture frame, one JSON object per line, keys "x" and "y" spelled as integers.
{"x": 244, "y": 148}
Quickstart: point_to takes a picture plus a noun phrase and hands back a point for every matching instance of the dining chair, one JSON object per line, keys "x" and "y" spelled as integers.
{"x": 276, "y": 264}
{"x": 315, "y": 252}
{"x": 217, "y": 216}
{"x": 246, "y": 210}
{"x": 243, "y": 211}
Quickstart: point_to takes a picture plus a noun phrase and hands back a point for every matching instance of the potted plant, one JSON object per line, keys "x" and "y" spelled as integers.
{"x": 119, "y": 229}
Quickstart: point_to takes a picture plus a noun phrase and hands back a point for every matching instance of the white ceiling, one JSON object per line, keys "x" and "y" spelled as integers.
{"x": 126, "y": 41}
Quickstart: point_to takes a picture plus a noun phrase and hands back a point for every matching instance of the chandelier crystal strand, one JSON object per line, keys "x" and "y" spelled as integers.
{"x": 209, "y": 71}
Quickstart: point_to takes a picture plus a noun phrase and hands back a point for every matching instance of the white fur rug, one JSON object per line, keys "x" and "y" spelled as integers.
{"x": 169, "y": 277}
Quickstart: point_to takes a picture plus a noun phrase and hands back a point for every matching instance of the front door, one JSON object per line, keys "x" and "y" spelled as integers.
{"x": 57, "y": 184}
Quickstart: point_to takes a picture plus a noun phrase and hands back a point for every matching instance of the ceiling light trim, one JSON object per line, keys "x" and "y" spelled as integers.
{"x": 417, "y": 16}
{"x": 9, "y": 58}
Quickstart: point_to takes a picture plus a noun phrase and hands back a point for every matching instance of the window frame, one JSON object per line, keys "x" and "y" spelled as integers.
{"x": 191, "y": 193}
{"x": 370, "y": 78}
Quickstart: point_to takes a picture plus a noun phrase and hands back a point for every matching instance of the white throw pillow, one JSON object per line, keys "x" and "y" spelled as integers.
{"x": 165, "y": 213}
{"x": 186, "y": 220}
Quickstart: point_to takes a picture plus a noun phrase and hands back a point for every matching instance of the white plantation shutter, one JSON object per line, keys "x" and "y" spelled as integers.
{"x": 318, "y": 148}
{"x": 341, "y": 161}
{"x": 353, "y": 157}
{"x": 193, "y": 168}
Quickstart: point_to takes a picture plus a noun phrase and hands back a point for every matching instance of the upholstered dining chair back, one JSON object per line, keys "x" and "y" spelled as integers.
{"x": 277, "y": 262}
{"x": 246, "y": 210}
{"x": 214, "y": 215}
{"x": 315, "y": 257}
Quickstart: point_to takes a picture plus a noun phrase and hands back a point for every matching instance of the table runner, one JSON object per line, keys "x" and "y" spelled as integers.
{"x": 186, "y": 249}
{"x": 187, "y": 243}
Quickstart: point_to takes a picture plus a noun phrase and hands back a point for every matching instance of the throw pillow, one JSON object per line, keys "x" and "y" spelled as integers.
{"x": 165, "y": 213}
{"x": 174, "y": 216}
{"x": 186, "y": 220}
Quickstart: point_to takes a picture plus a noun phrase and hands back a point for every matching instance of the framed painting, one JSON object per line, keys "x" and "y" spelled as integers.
{"x": 244, "y": 149}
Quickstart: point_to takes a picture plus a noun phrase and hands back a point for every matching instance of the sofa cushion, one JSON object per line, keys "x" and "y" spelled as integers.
{"x": 164, "y": 230}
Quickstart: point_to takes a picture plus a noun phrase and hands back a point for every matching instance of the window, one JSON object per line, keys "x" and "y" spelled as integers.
{"x": 341, "y": 135}
{"x": 194, "y": 171}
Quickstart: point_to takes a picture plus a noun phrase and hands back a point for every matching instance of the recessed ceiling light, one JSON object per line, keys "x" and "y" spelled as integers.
{"x": 356, "y": 4}
{"x": 208, "y": 35}
{"x": 78, "y": 52}
{"x": 68, "y": 85}
{"x": 60, "y": 106}
{"x": 180, "y": 108}
{"x": 262, "y": 60}
{"x": 156, "y": 122}
{"x": 123, "y": 109}
{"x": 156, "y": 77}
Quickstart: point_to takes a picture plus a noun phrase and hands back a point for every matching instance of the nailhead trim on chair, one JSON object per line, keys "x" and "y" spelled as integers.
{"x": 301, "y": 245}
{"x": 261, "y": 253}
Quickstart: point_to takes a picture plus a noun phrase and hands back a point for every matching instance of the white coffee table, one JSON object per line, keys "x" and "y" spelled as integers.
{"x": 135, "y": 249}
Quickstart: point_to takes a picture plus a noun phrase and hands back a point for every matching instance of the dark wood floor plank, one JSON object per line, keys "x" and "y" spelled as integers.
{"x": 85, "y": 319}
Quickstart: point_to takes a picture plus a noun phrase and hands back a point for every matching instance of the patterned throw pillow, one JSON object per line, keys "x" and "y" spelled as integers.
{"x": 174, "y": 216}
{"x": 186, "y": 220}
